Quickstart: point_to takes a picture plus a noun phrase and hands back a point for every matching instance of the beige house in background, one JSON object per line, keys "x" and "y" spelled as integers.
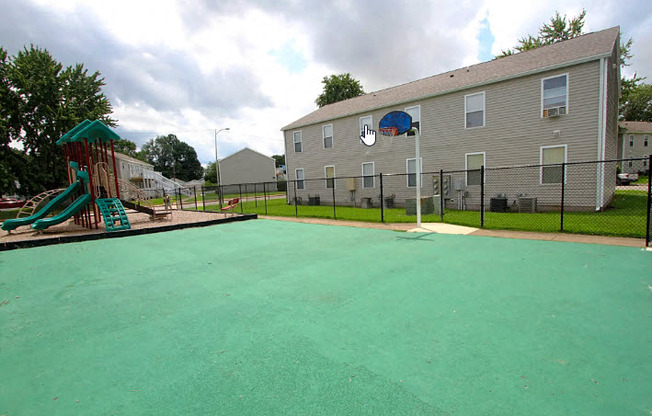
{"x": 634, "y": 142}
{"x": 143, "y": 176}
{"x": 554, "y": 104}
{"x": 247, "y": 166}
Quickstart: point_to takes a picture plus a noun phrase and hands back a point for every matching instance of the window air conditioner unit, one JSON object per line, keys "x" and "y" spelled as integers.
{"x": 527, "y": 205}
{"x": 555, "y": 111}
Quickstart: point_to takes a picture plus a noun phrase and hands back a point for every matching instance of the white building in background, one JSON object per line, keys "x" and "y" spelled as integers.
{"x": 143, "y": 176}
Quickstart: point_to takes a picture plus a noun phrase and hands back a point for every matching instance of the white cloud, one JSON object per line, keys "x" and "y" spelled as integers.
{"x": 189, "y": 68}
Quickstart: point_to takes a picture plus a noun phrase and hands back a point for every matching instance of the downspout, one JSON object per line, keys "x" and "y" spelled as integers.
{"x": 602, "y": 134}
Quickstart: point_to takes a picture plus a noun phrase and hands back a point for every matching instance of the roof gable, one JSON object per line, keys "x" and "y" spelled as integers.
{"x": 246, "y": 150}
{"x": 574, "y": 51}
{"x": 636, "y": 126}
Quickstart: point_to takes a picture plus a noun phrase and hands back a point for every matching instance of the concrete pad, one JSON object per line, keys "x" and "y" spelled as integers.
{"x": 441, "y": 228}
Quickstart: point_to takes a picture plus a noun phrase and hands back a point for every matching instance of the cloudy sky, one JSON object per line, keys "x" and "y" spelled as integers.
{"x": 190, "y": 68}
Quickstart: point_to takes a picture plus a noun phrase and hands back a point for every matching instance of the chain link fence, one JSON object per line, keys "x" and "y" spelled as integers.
{"x": 609, "y": 198}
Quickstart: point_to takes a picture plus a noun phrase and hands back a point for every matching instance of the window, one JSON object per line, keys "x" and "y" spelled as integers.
{"x": 327, "y": 134}
{"x": 550, "y": 156}
{"x": 300, "y": 177}
{"x": 474, "y": 110}
{"x": 474, "y": 161}
{"x": 329, "y": 172}
{"x": 415, "y": 113}
{"x": 411, "y": 169}
{"x": 645, "y": 140}
{"x": 631, "y": 141}
{"x": 630, "y": 163}
{"x": 298, "y": 142}
{"x": 368, "y": 120}
{"x": 368, "y": 175}
{"x": 554, "y": 95}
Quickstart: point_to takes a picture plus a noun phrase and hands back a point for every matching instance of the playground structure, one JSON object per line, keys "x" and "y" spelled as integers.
{"x": 90, "y": 157}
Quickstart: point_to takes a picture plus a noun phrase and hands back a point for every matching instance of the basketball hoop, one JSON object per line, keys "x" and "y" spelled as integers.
{"x": 389, "y": 131}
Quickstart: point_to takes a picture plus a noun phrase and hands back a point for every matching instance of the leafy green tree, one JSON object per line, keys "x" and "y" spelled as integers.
{"x": 636, "y": 104}
{"x": 39, "y": 102}
{"x": 127, "y": 147}
{"x": 280, "y": 160}
{"x": 338, "y": 88}
{"x": 558, "y": 30}
{"x": 210, "y": 174}
{"x": 173, "y": 158}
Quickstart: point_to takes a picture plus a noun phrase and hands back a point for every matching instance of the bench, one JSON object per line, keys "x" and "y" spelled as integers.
{"x": 231, "y": 204}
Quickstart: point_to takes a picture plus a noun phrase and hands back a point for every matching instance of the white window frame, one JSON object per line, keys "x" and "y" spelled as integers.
{"x": 631, "y": 140}
{"x": 370, "y": 124}
{"x": 484, "y": 109}
{"x": 466, "y": 165}
{"x": 323, "y": 136}
{"x": 300, "y": 181}
{"x": 542, "y": 92}
{"x": 541, "y": 149}
{"x": 407, "y": 170}
{"x": 372, "y": 176}
{"x": 407, "y": 110}
{"x": 328, "y": 177}
{"x": 300, "y": 141}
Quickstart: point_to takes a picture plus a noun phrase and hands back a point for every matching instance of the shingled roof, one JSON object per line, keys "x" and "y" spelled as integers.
{"x": 636, "y": 126}
{"x": 585, "y": 48}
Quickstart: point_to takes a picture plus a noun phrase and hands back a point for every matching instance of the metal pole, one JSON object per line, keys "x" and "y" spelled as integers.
{"x": 217, "y": 162}
{"x": 648, "y": 236}
{"x": 203, "y": 198}
{"x": 441, "y": 195}
{"x": 563, "y": 192}
{"x": 481, "y": 196}
{"x": 296, "y": 208}
{"x": 418, "y": 163}
{"x": 194, "y": 190}
{"x": 265, "y": 196}
{"x": 334, "y": 213}
{"x": 241, "y": 201}
{"x": 382, "y": 199}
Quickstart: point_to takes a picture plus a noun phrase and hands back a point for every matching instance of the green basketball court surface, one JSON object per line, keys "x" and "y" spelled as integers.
{"x": 278, "y": 318}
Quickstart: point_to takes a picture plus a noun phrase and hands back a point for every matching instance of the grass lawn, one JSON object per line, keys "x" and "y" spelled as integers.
{"x": 626, "y": 217}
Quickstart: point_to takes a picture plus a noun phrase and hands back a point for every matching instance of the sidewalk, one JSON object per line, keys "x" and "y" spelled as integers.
{"x": 442, "y": 228}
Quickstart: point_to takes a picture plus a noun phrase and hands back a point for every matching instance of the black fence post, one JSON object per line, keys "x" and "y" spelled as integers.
{"x": 203, "y": 198}
{"x": 563, "y": 194}
{"x": 265, "y": 196}
{"x": 481, "y": 196}
{"x": 334, "y": 213}
{"x": 382, "y": 199}
{"x": 441, "y": 195}
{"x": 241, "y": 201}
{"x": 180, "y": 198}
{"x": 255, "y": 196}
{"x": 194, "y": 191}
{"x": 648, "y": 233}
{"x": 296, "y": 208}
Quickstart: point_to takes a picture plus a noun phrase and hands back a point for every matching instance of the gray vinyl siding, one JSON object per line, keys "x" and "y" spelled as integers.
{"x": 513, "y": 134}
{"x": 247, "y": 166}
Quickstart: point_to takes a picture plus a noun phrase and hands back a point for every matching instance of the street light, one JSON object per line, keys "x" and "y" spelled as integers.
{"x": 217, "y": 163}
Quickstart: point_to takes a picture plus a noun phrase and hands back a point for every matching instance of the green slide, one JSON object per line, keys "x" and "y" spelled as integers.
{"x": 72, "y": 209}
{"x": 12, "y": 224}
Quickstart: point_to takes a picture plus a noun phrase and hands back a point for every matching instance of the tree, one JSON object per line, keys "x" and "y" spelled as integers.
{"x": 127, "y": 147}
{"x": 636, "y": 104}
{"x": 173, "y": 158}
{"x": 210, "y": 174}
{"x": 39, "y": 102}
{"x": 338, "y": 88}
{"x": 559, "y": 29}
{"x": 280, "y": 160}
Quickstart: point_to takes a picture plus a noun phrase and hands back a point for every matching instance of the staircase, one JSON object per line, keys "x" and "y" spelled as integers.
{"x": 113, "y": 213}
